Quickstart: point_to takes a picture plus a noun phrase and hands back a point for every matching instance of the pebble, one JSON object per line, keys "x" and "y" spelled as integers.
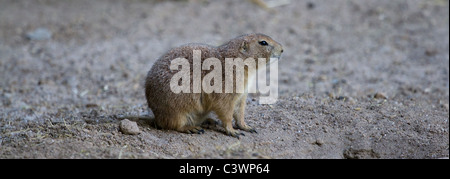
{"x": 431, "y": 52}
{"x": 310, "y": 5}
{"x": 91, "y": 105}
{"x": 129, "y": 127}
{"x": 341, "y": 98}
{"x": 319, "y": 142}
{"x": 445, "y": 106}
{"x": 380, "y": 95}
{"x": 322, "y": 78}
{"x": 39, "y": 34}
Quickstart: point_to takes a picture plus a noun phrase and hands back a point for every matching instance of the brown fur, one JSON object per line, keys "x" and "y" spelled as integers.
{"x": 185, "y": 112}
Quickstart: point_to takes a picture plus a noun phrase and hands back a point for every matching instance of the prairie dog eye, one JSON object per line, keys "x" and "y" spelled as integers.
{"x": 263, "y": 43}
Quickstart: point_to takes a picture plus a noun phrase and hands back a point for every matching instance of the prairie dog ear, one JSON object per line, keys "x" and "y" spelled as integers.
{"x": 244, "y": 47}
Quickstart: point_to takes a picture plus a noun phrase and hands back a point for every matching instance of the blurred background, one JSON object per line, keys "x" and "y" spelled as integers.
{"x": 61, "y": 58}
{"x": 346, "y": 47}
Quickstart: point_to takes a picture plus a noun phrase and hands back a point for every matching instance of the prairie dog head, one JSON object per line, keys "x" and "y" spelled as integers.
{"x": 260, "y": 46}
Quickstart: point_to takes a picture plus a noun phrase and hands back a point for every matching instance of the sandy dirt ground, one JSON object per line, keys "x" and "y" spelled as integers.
{"x": 358, "y": 78}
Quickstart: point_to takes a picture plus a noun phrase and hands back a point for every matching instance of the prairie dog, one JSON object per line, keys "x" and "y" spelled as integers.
{"x": 185, "y": 112}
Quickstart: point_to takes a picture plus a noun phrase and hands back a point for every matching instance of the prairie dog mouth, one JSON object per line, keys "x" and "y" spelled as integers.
{"x": 276, "y": 54}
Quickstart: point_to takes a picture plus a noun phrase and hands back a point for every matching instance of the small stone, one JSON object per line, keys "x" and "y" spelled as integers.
{"x": 5, "y": 100}
{"x": 310, "y": 61}
{"x": 341, "y": 98}
{"x": 39, "y": 34}
{"x": 392, "y": 116}
{"x": 330, "y": 94}
{"x": 380, "y": 95}
{"x": 445, "y": 106}
{"x": 431, "y": 52}
{"x": 91, "y": 105}
{"x": 319, "y": 142}
{"x": 129, "y": 127}
{"x": 322, "y": 78}
{"x": 310, "y": 5}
